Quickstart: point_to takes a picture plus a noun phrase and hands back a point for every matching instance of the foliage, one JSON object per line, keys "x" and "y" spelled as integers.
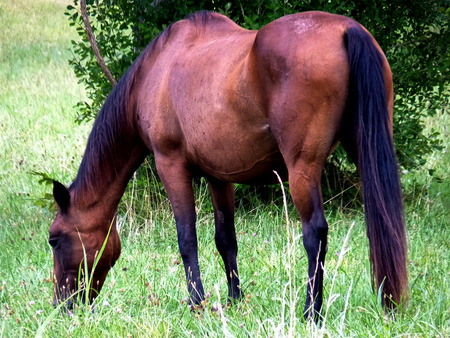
{"x": 46, "y": 201}
{"x": 414, "y": 38}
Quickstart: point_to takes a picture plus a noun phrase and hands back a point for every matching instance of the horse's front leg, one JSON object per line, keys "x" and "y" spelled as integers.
{"x": 222, "y": 195}
{"x": 177, "y": 182}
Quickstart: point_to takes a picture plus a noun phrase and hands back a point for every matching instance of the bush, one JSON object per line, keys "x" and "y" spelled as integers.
{"x": 414, "y": 38}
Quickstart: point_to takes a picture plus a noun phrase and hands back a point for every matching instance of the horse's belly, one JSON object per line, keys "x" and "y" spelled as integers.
{"x": 248, "y": 172}
{"x": 249, "y": 156}
{"x": 259, "y": 173}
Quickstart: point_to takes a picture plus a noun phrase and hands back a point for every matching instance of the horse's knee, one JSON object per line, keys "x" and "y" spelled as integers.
{"x": 187, "y": 236}
{"x": 225, "y": 242}
{"x": 187, "y": 248}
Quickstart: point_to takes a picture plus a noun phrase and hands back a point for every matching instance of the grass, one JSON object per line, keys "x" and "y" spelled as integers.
{"x": 145, "y": 292}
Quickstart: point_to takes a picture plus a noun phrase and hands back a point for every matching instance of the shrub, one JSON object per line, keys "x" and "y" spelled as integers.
{"x": 414, "y": 38}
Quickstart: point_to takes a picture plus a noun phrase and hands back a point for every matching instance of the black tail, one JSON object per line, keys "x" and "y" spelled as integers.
{"x": 375, "y": 156}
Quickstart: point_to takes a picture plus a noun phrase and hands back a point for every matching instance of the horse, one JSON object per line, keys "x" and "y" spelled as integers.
{"x": 211, "y": 99}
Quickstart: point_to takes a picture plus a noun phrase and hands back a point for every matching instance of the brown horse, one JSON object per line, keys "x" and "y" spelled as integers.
{"x": 209, "y": 98}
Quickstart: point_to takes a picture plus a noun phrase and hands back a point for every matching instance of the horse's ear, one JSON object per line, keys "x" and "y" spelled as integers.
{"x": 62, "y": 196}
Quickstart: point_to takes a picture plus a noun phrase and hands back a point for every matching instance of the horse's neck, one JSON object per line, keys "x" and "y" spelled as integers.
{"x": 108, "y": 164}
{"x": 111, "y": 185}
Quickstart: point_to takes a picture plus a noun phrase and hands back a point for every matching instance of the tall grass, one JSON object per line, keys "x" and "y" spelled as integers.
{"x": 145, "y": 293}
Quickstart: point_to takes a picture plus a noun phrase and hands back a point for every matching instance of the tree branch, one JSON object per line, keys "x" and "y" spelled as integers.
{"x": 93, "y": 44}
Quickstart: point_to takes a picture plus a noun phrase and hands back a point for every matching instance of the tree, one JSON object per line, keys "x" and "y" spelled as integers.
{"x": 414, "y": 36}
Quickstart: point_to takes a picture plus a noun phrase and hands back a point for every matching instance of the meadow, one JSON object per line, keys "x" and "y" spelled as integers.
{"x": 145, "y": 293}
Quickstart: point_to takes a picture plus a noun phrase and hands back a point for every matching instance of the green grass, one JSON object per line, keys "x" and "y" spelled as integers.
{"x": 145, "y": 292}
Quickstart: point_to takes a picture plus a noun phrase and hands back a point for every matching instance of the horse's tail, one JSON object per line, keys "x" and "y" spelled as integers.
{"x": 372, "y": 147}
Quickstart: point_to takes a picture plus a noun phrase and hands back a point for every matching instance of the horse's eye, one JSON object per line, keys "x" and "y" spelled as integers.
{"x": 53, "y": 242}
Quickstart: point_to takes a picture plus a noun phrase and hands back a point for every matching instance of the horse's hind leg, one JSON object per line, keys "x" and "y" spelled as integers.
{"x": 177, "y": 182}
{"x": 222, "y": 195}
{"x": 305, "y": 151}
{"x": 306, "y": 193}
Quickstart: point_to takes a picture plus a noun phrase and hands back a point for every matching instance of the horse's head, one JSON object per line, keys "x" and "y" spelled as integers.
{"x": 77, "y": 236}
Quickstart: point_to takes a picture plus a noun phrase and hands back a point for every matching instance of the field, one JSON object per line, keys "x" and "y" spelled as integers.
{"x": 144, "y": 295}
